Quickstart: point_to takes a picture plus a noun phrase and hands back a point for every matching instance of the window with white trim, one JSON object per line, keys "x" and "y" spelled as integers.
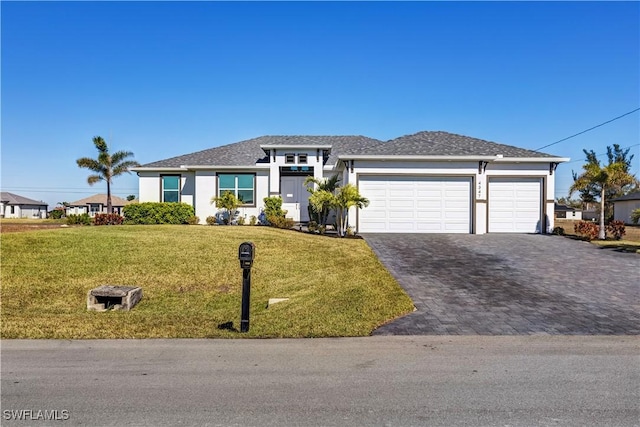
{"x": 241, "y": 185}
{"x": 171, "y": 188}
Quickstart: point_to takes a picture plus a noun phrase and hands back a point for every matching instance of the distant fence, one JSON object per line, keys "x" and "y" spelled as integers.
{"x": 632, "y": 232}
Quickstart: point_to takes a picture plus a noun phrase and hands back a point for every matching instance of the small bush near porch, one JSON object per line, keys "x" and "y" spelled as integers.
{"x": 191, "y": 279}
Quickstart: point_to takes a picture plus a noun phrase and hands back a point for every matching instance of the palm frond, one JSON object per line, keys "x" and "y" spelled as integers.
{"x": 119, "y": 156}
{"x": 91, "y": 164}
{"x": 92, "y": 179}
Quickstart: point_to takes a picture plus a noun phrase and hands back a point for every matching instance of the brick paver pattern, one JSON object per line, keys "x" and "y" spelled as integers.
{"x": 510, "y": 284}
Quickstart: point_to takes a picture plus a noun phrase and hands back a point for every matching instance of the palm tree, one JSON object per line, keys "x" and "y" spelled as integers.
{"x": 321, "y": 195}
{"x": 107, "y": 166}
{"x": 602, "y": 179}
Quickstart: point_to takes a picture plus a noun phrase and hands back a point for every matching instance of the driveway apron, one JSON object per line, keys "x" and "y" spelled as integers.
{"x": 510, "y": 284}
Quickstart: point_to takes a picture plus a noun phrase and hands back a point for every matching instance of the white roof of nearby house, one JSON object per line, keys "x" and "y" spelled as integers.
{"x": 14, "y": 199}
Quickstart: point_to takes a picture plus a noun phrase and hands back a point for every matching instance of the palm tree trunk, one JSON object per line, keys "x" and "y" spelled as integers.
{"x": 109, "y": 205}
{"x": 601, "y": 233}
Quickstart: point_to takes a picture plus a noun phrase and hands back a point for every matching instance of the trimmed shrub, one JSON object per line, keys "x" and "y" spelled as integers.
{"x": 56, "y": 214}
{"x": 615, "y": 229}
{"x": 253, "y": 220}
{"x": 211, "y": 220}
{"x": 108, "y": 219}
{"x": 274, "y": 213}
{"x": 82, "y": 219}
{"x": 558, "y": 231}
{"x": 588, "y": 230}
{"x": 193, "y": 220}
{"x": 241, "y": 220}
{"x": 158, "y": 213}
{"x": 273, "y": 206}
{"x": 280, "y": 221}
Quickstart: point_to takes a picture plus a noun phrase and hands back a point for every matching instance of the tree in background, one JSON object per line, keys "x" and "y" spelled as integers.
{"x": 591, "y": 192}
{"x": 572, "y": 203}
{"x": 602, "y": 182}
{"x": 107, "y": 166}
{"x": 131, "y": 197}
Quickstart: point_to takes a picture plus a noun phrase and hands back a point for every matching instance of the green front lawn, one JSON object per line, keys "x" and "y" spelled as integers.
{"x": 192, "y": 282}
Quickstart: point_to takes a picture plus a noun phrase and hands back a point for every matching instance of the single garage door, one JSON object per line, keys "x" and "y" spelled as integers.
{"x": 515, "y": 205}
{"x": 399, "y": 204}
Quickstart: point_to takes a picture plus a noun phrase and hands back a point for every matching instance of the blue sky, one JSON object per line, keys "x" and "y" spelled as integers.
{"x": 166, "y": 78}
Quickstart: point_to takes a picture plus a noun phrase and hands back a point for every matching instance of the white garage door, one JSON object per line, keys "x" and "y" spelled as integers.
{"x": 415, "y": 204}
{"x": 515, "y": 205}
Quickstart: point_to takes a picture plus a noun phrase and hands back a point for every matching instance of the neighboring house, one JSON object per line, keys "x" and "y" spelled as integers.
{"x": 15, "y": 206}
{"x": 428, "y": 182}
{"x": 96, "y": 204}
{"x": 567, "y": 212}
{"x": 623, "y": 206}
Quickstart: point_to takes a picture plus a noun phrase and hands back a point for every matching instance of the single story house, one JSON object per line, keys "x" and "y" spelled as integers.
{"x": 428, "y": 182}
{"x": 567, "y": 212}
{"x": 96, "y": 204}
{"x": 15, "y": 206}
{"x": 623, "y": 206}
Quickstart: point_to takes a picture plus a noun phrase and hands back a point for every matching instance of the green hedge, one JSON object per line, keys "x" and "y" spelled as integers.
{"x": 158, "y": 213}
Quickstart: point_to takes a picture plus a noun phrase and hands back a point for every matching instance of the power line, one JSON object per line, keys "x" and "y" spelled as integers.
{"x": 587, "y": 130}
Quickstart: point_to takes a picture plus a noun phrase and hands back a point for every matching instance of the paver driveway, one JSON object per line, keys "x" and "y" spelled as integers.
{"x": 508, "y": 284}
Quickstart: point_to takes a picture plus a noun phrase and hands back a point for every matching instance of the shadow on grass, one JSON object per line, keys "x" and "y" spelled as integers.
{"x": 611, "y": 245}
{"x": 228, "y": 326}
{"x": 620, "y": 247}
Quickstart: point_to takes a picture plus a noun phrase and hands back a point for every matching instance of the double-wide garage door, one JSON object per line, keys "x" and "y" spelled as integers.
{"x": 515, "y": 205}
{"x": 414, "y": 204}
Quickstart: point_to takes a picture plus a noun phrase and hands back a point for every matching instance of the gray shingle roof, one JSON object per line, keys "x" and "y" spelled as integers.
{"x": 14, "y": 199}
{"x": 630, "y": 196}
{"x": 440, "y": 143}
{"x": 100, "y": 199}
{"x": 248, "y": 153}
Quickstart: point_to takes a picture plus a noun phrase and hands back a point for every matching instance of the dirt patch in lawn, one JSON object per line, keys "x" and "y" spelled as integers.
{"x": 16, "y": 228}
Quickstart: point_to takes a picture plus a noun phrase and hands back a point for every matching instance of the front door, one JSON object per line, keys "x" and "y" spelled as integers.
{"x": 295, "y": 197}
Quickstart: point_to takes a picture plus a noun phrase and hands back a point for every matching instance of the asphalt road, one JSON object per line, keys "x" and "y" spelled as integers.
{"x": 410, "y": 380}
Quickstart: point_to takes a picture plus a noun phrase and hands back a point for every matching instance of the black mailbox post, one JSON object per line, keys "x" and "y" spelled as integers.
{"x": 246, "y": 253}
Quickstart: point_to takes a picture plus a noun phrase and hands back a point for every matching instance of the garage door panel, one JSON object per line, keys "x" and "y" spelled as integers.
{"x": 398, "y": 214}
{"x": 515, "y": 205}
{"x": 429, "y": 194}
{"x": 429, "y": 204}
{"x": 416, "y": 204}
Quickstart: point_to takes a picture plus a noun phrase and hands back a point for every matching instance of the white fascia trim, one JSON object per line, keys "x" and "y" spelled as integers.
{"x": 414, "y": 157}
{"x": 224, "y": 167}
{"x": 166, "y": 169}
{"x": 456, "y": 158}
{"x": 294, "y": 146}
{"x": 532, "y": 159}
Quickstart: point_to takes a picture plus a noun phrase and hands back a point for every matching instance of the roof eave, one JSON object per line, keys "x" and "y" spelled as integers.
{"x": 295, "y": 146}
{"x": 453, "y": 158}
{"x": 532, "y": 159}
{"x": 225, "y": 167}
{"x": 414, "y": 157}
{"x": 158, "y": 169}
